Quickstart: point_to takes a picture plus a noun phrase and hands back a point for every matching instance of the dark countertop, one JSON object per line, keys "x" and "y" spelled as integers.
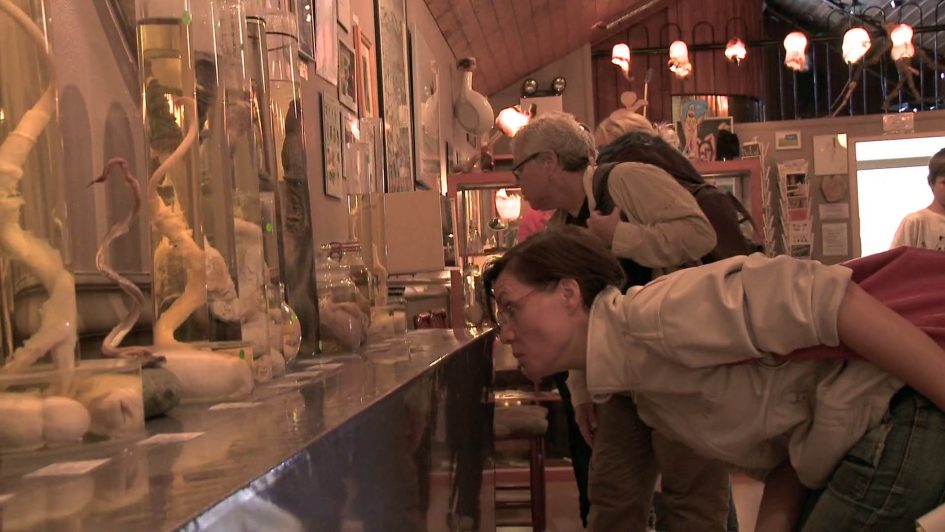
{"x": 304, "y": 455}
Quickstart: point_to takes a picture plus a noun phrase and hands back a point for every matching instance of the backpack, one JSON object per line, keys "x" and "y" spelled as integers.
{"x": 723, "y": 210}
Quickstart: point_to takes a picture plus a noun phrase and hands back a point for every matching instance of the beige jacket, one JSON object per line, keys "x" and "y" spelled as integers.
{"x": 676, "y": 344}
{"x": 665, "y": 227}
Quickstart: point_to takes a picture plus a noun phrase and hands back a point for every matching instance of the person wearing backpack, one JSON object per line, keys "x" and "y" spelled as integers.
{"x": 655, "y": 227}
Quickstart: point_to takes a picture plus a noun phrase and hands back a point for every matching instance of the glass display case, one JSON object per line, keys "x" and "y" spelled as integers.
{"x": 486, "y": 210}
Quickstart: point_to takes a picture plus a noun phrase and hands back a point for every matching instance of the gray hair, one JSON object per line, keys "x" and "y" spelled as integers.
{"x": 560, "y": 133}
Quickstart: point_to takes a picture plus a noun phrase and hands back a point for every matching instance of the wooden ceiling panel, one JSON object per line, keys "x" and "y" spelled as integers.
{"x": 513, "y": 38}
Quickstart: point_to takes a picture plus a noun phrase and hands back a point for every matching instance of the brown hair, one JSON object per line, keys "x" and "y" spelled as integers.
{"x": 557, "y": 253}
{"x": 936, "y": 166}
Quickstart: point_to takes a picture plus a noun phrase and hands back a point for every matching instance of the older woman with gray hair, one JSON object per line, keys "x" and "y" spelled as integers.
{"x": 655, "y": 227}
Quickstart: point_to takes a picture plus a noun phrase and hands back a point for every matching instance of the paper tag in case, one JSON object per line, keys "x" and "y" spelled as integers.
{"x": 174, "y": 437}
{"x": 231, "y": 406}
{"x": 67, "y": 468}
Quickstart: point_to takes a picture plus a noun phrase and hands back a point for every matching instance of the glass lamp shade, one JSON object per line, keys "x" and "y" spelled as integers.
{"x": 679, "y": 59}
{"x": 856, "y": 42}
{"x": 508, "y": 206}
{"x": 795, "y": 48}
{"x": 620, "y": 56}
{"x": 511, "y": 119}
{"x": 735, "y": 50}
{"x": 901, "y": 37}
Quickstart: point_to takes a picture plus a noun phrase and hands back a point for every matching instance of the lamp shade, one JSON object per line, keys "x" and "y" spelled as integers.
{"x": 735, "y": 50}
{"x": 795, "y": 48}
{"x": 511, "y": 119}
{"x": 901, "y": 37}
{"x": 509, "y": 206}
{"x": 856, "y": 42}
{"x": 620, "y": 56}
{"x": 679, "y": 59}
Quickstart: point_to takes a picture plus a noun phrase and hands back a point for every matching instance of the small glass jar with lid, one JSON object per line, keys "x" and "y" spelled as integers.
{"x": 342, "y": 312}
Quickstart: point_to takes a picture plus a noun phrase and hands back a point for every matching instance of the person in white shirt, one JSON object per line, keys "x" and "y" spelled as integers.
{"x": 712, "y": 357}
{"x": 926, "y": 228}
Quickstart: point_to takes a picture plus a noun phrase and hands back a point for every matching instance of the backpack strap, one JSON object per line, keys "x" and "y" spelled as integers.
{"x": 603, "y": 202}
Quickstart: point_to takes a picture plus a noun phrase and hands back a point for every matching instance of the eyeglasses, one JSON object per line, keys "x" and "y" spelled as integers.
{"x": 517, "y": 169}
{"x": 504, "y": 314}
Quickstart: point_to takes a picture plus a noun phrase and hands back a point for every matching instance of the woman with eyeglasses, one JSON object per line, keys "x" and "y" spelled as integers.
{"x": 785, "y": 369}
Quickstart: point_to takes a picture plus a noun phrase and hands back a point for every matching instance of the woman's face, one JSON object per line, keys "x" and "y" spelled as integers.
{"x": 537, "y": 322}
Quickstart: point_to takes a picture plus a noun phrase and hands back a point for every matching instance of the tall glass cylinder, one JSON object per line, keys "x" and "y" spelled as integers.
{"x": 171, "y": 123}
{"x": 38, "y": 307}
{"x": 298, "y": 243}
{"x": 365, "y": 208}
{"x": 231, "y": 189}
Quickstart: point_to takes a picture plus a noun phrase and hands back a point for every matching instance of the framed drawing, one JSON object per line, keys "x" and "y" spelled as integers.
{"x": 787, "y": 140}
{"x": 365, "y": 69}
{"x": 326, "y": 40}
{"x": 426, "y": 101}
{"x": 344, "y": 14}
{"x": 305, "y": 14}
{"x": 349, "y": 123}
{"x": 395, "y": 95}
{"x": 699, "y": 136}
{"x": 331, "y": 145}
{"x": 347, "y": 80}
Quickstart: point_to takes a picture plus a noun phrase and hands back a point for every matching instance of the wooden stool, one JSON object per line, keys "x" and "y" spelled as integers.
{"x": 525, "y": 422}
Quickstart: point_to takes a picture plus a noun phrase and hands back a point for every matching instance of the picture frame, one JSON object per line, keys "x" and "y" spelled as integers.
{"x": 426, "y": 101}
{"x": 305, "y": 13}
{"x": 332, "y": 142}
{"x": 787, "y": 140}
{"x": 365, "y": 74}
{"x": 751, "y": 149}
{"x": 395, "y": 105}
{"x": 349, "y": 124}
{"x": 701, "y": 146}
{"x": 344, "y": 14}
{"x": 347, "y": 79}
{"x": 326, "y": 40}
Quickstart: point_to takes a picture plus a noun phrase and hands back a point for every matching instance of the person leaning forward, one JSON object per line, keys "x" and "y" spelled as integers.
{"x": 656, "y": 227}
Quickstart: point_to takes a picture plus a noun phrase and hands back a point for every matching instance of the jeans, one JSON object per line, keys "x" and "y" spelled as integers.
{"x": 892, "y": 476}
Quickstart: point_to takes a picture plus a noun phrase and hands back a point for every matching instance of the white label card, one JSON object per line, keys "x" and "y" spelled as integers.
{"x": 231, "y": 406}
{"x": 173, "y": 437}
{"x": 67, "y": 468}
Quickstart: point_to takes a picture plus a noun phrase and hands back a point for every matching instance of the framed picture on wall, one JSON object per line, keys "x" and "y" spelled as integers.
{"x": 699, "y": 137}
{"x": 332, "y": 141}
{"x": 305, "y": 13}
{"x": 347, "y": 80}
{"x": 344, "y": 14}
{"x": 394, "y": 91}
{"x": 349, "y": 123}
{"x": 787, "y": 140}
{"x": 326, "y": 40}
{"x": 426, "y": 101}
{"x": 365, "y": 73}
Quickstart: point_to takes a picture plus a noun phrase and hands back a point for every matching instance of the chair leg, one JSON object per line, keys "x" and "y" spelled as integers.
{"x": 537, "y": 483}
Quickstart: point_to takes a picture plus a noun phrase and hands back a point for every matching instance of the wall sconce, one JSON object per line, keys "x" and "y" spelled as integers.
{"x": 901, "y": 37}
{"x": 620, "y": 56}
{"x": 512, "y": 119}
{"x": 529, "y": 87}
{"x": 735, "y": 50}
{"x": 679, "y": 59}
{"x": 795, "y": 47}
{"x": 509, "y": 206}
{"x": 558, "y": 85}
{"x": 856, "y": 42}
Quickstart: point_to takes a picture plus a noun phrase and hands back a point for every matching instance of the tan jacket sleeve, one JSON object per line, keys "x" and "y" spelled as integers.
{"x": 666, "y": 227}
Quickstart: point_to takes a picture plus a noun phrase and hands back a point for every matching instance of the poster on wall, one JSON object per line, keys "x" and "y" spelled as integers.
{"x": 426, "y": 98}
{"x": 347, "y": 81}
{"x": 698, "y": 133}
{"x": 326, "y": 40}
{"x": 306, "y": 19}
{"x": 365, "y": 73}
{"x": 395, "y": 95}
{"x": 331, "y": 144}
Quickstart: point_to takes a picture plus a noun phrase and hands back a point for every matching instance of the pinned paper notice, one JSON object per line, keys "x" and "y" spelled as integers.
{"x": 67, "y": 468}
{"x": 174, "y": 437}
{"x": 231, "y": 406}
